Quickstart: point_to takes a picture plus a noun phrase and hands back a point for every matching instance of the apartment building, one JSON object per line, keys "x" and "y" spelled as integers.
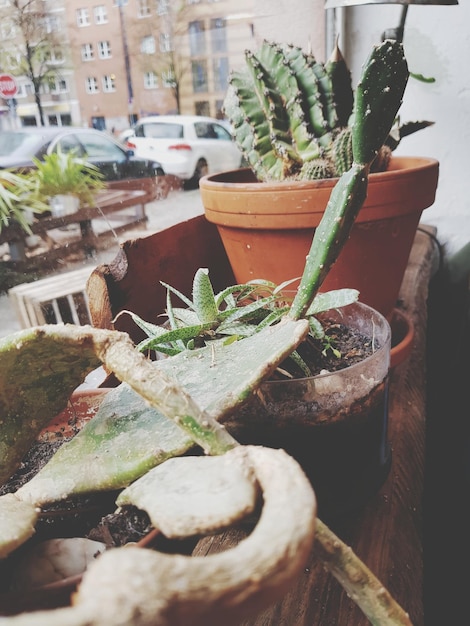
{"x": 112, "y": 61}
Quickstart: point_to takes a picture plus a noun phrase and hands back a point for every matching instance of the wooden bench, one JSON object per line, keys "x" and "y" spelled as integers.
{"x": 118, "y": 196}
{"x": 57, "y": 299}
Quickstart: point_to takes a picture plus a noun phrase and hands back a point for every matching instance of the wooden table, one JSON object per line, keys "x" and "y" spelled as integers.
{"x": 387, "y": 534}
{"x": 108, "y": 201}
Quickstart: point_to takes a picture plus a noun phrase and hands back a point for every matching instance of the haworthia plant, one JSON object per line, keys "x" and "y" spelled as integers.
{"x": 291, "y": 115}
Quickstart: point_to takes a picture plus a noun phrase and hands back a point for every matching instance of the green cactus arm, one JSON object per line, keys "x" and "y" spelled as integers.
{"x": 343, "y": 206}
{"x": 314, "y": 85}
{"x": 326, "y": 96}
{"x": 274, "y": 58}
{"x": 273, "y": 105}
{"x": 250, "y": 129}
{"x": 340, "y": 76}
{"x": 378, "y": 97}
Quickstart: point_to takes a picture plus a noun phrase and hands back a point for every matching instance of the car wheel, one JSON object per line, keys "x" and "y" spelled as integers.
{"x": 202, "y": 169}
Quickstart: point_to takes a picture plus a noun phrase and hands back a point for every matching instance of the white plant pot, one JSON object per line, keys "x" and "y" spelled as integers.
{"x": 64, "y": 205}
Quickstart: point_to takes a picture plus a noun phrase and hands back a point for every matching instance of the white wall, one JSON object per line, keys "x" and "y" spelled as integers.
{"x": 437, "y": 44}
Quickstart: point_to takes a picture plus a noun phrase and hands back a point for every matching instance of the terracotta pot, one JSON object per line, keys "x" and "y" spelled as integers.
{"x": 334, "y": 424}
{"x": 267, "y": 228}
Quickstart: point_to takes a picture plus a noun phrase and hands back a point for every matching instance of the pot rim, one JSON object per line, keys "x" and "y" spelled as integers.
{"x": 384, "y": 349}
{"x": 398, "y": 164}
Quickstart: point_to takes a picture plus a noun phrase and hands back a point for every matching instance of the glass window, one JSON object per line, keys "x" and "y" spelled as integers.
{"x": 220, "y": 68}
{"x": 197, "y": 39}
{"x": 104, "y": 49}
{"x": 109, "y": 83}
{"x": 199, "y": 74}
{"x": 101, "y": 16}
{"x": 83, "y": 17}
{"x": 143, "y": 8}
{"x": 91, "y": 85}
{"x": 87, "y": 52}
{"x": 148, "y": 45}
{"x": 218, "y": 35}
{"x": 165, "y": 42}
{"x": 150, "y": 80}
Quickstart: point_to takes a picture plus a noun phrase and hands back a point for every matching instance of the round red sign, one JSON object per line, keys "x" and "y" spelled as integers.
{"x": 8, "y": 87}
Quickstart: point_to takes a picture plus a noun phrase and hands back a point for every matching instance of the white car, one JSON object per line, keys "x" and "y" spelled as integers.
{"x": 187, "y": 146}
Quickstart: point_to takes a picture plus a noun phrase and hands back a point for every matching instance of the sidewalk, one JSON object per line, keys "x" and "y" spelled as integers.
{"x": 179, "y": 206}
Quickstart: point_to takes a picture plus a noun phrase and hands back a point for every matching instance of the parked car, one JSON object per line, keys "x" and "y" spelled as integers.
{"x": 187, "y": 146}
{"x": 115, "y": 161}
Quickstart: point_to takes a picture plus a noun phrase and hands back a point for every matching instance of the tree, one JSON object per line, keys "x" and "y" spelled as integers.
{"x": 33, "y": 44}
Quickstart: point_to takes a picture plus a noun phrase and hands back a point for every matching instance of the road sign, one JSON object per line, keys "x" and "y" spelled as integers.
{"x": 8, "y": 86}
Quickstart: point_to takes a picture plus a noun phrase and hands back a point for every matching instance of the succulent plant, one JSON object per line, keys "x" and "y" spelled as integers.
{"x": 292, "y": 116}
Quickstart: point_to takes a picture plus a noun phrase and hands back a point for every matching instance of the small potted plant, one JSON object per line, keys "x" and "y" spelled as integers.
{"x": 291, "y": 117}
{"x": 67, "y": 181}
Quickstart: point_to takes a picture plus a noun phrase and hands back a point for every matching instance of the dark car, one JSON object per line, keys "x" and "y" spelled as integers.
{"x": 115, "y": 161}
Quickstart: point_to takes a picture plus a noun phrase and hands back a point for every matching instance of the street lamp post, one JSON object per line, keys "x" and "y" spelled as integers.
{"x": 127, "y": 64}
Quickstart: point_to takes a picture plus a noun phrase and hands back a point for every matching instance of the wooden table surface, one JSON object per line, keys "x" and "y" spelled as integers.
{"x": 388, "y": 533}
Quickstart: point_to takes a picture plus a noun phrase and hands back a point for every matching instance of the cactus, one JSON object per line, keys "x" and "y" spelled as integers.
{"x": 292, "y": 116}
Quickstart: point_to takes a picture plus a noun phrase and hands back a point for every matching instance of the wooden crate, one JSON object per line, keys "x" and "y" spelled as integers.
{"x": 57, "y": 299}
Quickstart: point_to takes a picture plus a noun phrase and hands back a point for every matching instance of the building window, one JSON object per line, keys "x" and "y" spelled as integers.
{"x": 104, "y": 50}
{"x": 168, "y": 79}
{"x": 54, "y": 56}
{"x": 55, "y": 86}
{"x": 165, "y": 42}
{"x": 51, "y": 24}
{"x": 109, "y": 83}
{"x": 101, "y": 17}
{"x": 199, "y": 73}
{"x": 91, "y": 85}
{"x": 83, "y": 17}
{"x": 148, "y": 45}
{"x": 197, "y": 40}
{"x": 87, "y": 52}
{"x": 218, "y": 35}
{"x": 220, "y": 68}
{"x": 143, "y": 9}
{"x": 162, "y": 7}
{"x": 150, "y": 80}
{"x": 202, "y": 108}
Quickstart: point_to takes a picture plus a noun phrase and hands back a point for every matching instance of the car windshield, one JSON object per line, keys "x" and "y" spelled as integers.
{"x": 18, "y": 144}
{"x": 158, "y": 130}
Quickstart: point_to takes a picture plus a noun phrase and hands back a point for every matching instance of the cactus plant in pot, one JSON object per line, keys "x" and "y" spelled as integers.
{"x": 291, "y": 117}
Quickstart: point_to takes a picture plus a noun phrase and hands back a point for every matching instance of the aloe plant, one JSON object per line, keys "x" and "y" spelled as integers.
{"x": 292, "y": 116}
{"x": 19, "y": 197}
{"x": 62, "y": 173}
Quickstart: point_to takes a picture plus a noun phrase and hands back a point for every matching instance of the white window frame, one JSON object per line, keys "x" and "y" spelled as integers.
{"x": 88, "y": 53}
{"x": 148, "y": 45}
{"x": 109, "y": 83}
{"x": 104, "y": 49}
{"x": 165, "y": 42}
{"x": 100, "y": 14}
{"x": 83, "y": 17}
{"x": 150, "y": 80}
{"x": 91, "y": 85}
{"x": 143, "y": 9}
